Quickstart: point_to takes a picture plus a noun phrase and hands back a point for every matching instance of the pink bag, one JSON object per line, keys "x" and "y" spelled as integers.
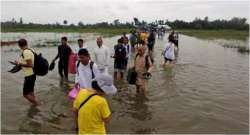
{"x": 73, "y": 92}
{"x": 72, "y": 63}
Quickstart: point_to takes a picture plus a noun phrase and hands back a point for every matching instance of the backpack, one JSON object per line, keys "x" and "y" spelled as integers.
{"x": 120, "y": 52}
{"x": 41, "y": 65}
{"x": 91, "y": 67}
{"x": 146, "y": 59}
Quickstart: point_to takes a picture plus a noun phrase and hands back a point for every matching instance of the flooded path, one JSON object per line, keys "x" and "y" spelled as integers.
{"x": 206, "y": 92}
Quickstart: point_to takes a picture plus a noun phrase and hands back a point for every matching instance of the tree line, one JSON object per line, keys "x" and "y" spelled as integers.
{"x": 235, "y": 23}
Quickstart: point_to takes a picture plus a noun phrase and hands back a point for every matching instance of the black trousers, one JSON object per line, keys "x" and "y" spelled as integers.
{"x": 63, "y": 68}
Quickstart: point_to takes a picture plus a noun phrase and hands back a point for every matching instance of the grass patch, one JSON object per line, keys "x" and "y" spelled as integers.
{"x": 243, "y": 49}
{"x": 107, "y": 32}
{"x": 216, "y": 34}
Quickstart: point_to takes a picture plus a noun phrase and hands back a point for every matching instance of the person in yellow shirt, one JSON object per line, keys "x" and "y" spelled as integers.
{"x": 144, "y": 36}
{"x": 91, "y": 108}
{"x": 27, "y": 62}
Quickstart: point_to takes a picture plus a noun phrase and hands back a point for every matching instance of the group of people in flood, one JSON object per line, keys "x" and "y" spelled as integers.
{"x": 92, "y": 79}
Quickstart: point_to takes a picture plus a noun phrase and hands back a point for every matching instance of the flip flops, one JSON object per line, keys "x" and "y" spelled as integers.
{"x": 52, "y": 66}
{"x": 147, "y": 75}
{"x": 15, "y": 69}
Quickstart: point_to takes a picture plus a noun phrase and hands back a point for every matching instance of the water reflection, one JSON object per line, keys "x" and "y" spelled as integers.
{"x": 139, "y": 109}
{"x": 33, "y": 110}
{"x": 206, "y": 75}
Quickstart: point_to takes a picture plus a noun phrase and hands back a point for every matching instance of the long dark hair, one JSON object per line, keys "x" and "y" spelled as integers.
{"x": 96, "y": 86}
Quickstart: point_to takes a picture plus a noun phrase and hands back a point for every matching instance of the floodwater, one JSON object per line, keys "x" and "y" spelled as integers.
{"x": 207, "y": 91}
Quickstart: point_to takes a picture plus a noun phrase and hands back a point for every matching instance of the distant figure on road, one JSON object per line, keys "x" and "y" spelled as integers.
{"x": 133, "y": 40}
{"x": 151, "y": 42}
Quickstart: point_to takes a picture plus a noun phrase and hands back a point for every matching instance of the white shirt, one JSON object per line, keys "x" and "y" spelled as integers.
{"x": 84, "y": 75}
{"x": 77, "y": 49}
{"x": 128, "y": 50}
{"x": 169, "y": 51}
{"x": 101, "y": 57}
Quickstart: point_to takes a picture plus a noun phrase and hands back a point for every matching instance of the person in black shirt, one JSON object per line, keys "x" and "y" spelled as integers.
{"x": 64, "y": 52}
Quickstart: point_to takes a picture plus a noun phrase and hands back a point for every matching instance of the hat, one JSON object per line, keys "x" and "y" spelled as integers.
{"x": 105, "y": 82}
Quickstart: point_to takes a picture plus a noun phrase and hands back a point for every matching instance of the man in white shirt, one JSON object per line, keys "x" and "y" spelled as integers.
{"x": 128, "y": 51}
{"x": 86, "y": 70}
{"x": 101, "y": 56}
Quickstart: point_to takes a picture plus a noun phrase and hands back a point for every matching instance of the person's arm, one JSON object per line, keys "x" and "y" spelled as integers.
{"x": 150, "y": 65}
{"x": 95, "y": 56}
{"x": 106, "y": 56}
{"x": 28, "y": 63}
{"x": 105, "y": 111}
{"x": 113, "y": 56}
{"x": 75, "y": 112}
{"x": 96, "y": 70}
{"x": 107, "y": 120}
{"x": 27, "y": 56}
{"x": 57, "y": 56}
{"x": 76, "y": 76}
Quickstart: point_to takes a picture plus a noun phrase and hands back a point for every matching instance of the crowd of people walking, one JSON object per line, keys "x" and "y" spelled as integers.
{"x": 133, "y": 56}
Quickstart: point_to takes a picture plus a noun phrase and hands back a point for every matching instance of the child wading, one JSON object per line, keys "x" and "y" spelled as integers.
{"x": 120, "y": 58}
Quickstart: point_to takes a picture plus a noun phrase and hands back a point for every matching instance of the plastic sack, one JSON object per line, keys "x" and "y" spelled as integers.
{"x": 72, "y": 63}
{"x": 74, "y": 92}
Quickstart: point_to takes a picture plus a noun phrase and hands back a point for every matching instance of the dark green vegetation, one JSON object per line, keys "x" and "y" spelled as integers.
{"x": 204, "y": 24}
{"x": 215, "y": 34}
{"x": 117, "y": 27}
{"x": 101, "y": 30}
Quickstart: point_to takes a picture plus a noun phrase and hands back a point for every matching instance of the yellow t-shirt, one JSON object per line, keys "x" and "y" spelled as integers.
{"x": 27, "y": 54}
{"x": 92, "y": 113}
{"x": 144, "y": 36}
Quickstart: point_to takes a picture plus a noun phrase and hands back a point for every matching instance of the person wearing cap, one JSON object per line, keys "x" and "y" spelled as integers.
{"x": 143, "y": 66}
{"x": 101, "y": 56}
{"x": 86, "y": 70}
{"x": 92, "y": 116}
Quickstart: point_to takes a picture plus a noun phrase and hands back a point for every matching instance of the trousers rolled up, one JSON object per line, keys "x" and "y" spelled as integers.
{"x": 63, "y": 68}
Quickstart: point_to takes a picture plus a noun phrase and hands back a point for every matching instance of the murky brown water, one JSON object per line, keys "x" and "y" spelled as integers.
{"x": 206, "y": 92}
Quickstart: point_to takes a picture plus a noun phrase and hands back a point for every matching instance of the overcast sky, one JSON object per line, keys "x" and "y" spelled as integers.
{"x": 92, "y": 11}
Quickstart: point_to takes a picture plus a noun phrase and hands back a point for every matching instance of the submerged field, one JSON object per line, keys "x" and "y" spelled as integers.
{"x": 231, "y": 38}
{"x": 206, "y": 92}
{"x": 215, "y": 34}
{"x": 107, "y": 32}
